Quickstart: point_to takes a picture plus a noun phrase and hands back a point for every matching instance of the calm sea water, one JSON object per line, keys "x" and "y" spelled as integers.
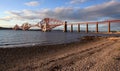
{"x": 11, "y": 38}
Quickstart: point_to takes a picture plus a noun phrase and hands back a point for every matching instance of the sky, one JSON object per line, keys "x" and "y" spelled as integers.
{"x": 32, "y": 11}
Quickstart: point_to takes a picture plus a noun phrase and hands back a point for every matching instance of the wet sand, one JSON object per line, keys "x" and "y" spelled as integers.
{"x": 89, "y": 54}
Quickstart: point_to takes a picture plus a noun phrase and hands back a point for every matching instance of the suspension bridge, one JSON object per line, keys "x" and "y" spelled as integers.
{"x": 47, "y": 24}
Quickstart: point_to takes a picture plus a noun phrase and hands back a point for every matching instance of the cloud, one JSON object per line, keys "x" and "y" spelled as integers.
{"x": 77, "y": 1}
{"x": 32, "y": 3}
{"x": 7, "y": 18}
{"x": 83, "y": 1}
{"x": 108, "y": 10}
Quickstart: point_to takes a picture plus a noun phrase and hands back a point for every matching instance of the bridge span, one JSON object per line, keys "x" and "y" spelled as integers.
{"x": 47, "y": 24}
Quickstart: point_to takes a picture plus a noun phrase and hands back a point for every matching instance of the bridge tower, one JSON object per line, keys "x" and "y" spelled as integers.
{"x": 16, "y": 27}
{"x": 46, "y": 25}
{"x": 25, "y": 26}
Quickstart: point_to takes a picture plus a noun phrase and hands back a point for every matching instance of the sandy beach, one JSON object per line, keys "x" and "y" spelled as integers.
{"x": 89, "y": 54}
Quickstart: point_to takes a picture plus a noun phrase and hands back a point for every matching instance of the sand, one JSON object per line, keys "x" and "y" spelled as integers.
{"x": 89, "y": 54}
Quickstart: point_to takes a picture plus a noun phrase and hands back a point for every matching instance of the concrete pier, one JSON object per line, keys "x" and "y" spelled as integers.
{"x": 97, "y": 27}
{"x": 71, "y": 30}
{"x": 78, "y": 27}
{"x": 65, "y": 27}
{"x": 86, "y": 27}
{"x": 109, "y": 27}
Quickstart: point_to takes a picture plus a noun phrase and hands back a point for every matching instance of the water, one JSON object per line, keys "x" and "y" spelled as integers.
{"x": 11, "y": 38}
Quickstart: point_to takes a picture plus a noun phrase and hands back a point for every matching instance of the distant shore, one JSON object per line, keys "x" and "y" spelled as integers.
{"x": 3, "y": 28}
{"x": 91, "y": 53}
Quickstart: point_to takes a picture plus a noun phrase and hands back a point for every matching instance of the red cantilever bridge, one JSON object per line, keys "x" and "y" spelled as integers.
{"x": 48, "y": 24}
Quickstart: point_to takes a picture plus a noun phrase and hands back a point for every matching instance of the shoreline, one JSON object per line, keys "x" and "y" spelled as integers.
{"x": 36, "y": 57}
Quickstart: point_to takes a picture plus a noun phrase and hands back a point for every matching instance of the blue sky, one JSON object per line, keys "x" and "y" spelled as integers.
{"x": 19, "y": 11}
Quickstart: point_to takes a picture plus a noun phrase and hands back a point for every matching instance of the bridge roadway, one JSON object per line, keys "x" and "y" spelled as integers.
{"x": 47, "y": 24}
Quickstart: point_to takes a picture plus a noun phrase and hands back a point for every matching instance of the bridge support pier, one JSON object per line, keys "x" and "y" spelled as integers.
{"x": 78, "y": 27}
{"x": 97, "y": 27}
{"x": 109, "y": 27}
{"x": 65, "y": 27}
{"x": 71, "y": 30}
{"x": 87, "y": 28}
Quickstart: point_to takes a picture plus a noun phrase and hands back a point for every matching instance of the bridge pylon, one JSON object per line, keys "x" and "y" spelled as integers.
{"x": 65, "y": 27}
{"x": 46, "y": 26}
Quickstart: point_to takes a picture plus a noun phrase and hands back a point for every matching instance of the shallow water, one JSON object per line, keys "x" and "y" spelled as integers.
{"x": 12, "y": 38}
